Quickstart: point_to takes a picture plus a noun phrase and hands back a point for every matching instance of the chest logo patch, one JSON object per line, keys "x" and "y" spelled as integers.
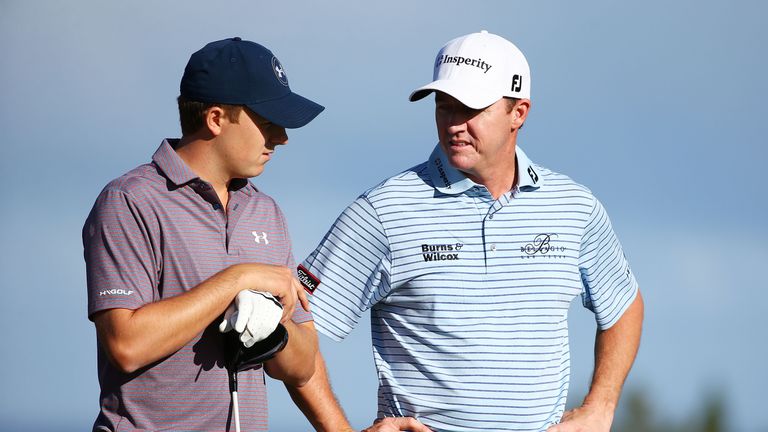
{"x": 543, "y": 245}
{"x": 258, "y": 237}
{"x": 441, "y": 252}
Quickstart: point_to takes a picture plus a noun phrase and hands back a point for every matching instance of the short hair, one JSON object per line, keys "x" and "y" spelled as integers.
{"x": 192, "y": 114}
{"x": 511, "y": 101}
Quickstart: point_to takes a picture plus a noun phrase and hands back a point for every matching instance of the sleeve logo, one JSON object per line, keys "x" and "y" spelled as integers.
{"x": 116, "y": 291}
{"x": 307, "y": 279}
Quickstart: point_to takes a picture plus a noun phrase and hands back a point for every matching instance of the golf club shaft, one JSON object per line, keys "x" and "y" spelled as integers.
{"x": 236, "y": 411}
{"x": 235, "y": 404}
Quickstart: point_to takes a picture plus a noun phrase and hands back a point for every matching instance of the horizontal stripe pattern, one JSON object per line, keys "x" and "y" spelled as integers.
{"x": 469, "y": 295}
{"x": 155, "y": 233}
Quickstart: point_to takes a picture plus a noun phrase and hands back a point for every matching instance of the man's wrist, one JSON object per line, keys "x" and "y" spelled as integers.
{"x": 600, "y": 403}
{"x": 238, "y": 276}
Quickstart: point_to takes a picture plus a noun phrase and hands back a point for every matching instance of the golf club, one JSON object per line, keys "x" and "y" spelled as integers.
{"x": 239, "y": 358}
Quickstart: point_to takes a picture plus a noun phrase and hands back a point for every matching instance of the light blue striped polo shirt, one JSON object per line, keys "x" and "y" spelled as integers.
{"x": 469, "y": 295}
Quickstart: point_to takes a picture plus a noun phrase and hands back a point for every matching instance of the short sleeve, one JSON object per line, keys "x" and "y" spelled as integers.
{"x": 353, "y": 264}
{"x": 609, "y": 284}
{"x": 299, "y": 314}
{"x": 121, "y": 266}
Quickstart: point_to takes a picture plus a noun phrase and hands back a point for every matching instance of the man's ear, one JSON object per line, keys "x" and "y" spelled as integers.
{"x": 520, "y": 112}
{"x": 214, "y": 118}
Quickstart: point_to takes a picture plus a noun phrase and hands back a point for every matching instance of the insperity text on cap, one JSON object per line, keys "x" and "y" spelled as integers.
{"x": 478, "y": 69}
{"x": 239, "y": 72}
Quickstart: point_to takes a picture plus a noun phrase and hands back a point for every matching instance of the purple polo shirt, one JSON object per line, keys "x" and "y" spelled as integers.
{"x": 154, "y": 233}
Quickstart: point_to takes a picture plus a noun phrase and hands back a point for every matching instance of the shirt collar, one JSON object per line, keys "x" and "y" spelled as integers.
{"x": 450, "y": 180}
{"x": 527, "y": 173}
{"x": 178, "y": 172}
{"x": 445, "y": 177}
{"x": 172, "y": 165}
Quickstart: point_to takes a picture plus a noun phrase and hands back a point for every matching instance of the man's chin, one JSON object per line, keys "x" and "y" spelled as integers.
{"x": 254, "y": 172}
{"x": 461, "y": 162}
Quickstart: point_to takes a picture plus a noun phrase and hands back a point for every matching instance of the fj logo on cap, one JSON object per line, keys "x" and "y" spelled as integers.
{"x": 517, "y": 83}
{"x": 277, "y": 68}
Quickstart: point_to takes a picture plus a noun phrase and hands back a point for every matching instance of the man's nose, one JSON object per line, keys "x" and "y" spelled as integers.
{"x": 455, "y": 121}
{"x": 279, "y": 136}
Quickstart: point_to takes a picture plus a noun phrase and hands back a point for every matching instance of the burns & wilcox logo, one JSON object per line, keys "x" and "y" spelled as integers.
{"x": 441, "y": 252}
{"x": 543, "y": 246}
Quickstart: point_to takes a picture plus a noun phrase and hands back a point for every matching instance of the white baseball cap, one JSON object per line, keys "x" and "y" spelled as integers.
{"x": 478, "y": 69}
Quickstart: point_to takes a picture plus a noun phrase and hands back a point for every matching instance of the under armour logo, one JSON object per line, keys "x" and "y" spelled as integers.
{"x": 259, "y": 237}
{"x": 280, "y": 74}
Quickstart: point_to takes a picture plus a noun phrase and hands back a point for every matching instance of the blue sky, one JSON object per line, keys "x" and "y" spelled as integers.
{"x": 657, "y": 106}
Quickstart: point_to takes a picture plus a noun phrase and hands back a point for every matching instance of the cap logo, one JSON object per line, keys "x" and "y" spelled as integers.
{"x": 458, "y": 60}
{"x": 277, "y": 68}
{"x": 517, "y": 83}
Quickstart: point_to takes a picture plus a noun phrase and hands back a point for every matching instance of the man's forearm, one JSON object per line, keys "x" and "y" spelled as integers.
{"x": 295, "y": 364}
{"x": 615, "y": 351}
{"x": 135, "y": 338}
{"x": 318, "y": 403}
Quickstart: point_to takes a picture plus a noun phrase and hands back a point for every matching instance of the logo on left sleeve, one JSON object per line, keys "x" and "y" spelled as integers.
{"x": 116, "y": 291}
{"x": 307, "y": 279}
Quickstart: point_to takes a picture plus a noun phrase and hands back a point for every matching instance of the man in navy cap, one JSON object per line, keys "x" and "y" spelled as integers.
{"x": 174, "y": 243}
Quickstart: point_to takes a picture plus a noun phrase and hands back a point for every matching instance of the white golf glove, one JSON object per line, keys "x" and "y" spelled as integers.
{"x": 253, "y": 314}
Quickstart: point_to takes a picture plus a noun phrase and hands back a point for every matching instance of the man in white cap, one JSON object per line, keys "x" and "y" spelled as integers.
{"x": 468, "y": 263}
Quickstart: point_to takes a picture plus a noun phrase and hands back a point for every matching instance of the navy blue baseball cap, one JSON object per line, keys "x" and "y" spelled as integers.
{"x": 239, "y": 72}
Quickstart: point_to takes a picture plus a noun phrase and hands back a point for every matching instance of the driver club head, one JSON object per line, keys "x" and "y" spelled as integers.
{"x": 240, "y": 358}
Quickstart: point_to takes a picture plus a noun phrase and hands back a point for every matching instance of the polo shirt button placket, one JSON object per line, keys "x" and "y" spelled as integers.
{"x": 489, "y": 248}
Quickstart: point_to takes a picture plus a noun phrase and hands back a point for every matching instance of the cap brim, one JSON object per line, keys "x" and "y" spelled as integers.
{"x": 290, "y": 111}
{"x": 475, "y": 98}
